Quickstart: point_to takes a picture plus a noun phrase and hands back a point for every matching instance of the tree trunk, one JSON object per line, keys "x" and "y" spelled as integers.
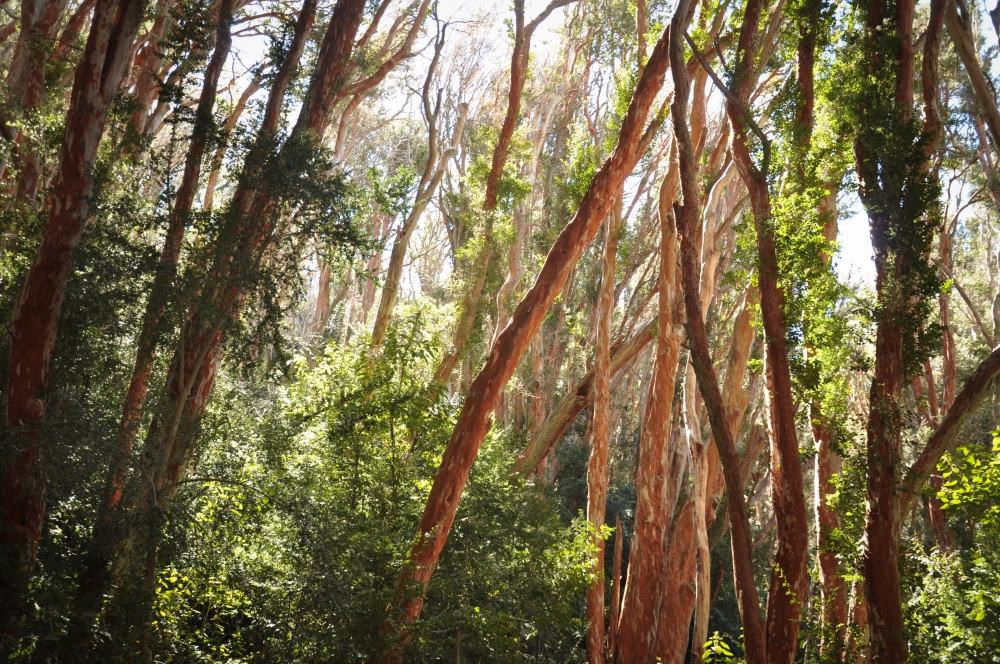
{"x": 474, "y": 419}
{"x": 160, "y": 290}
{"x": 36, "y": 312}
{"x": 39, "y": 23}
{"x": 690, "y": 230}
{"x": 597, "y": 469}
{"x": 433, "y": 173}
{"x": 616, "y": 591}
{"x": 660, "y": 463}
{"x": 788, "y": 589}
{"x": 679, "y": 591}
{"x": 201, "y": 341}
{"x": 885, "y": 196}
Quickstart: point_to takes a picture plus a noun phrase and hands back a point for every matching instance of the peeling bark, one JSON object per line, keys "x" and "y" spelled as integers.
{"x": 661, "y": 462}
{"x": 597, "y": 468}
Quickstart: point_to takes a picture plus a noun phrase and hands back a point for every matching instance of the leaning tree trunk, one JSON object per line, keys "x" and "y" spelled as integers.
{"x": 689, "y": 229}
{"x": 159, "y": 296}
{"x": 36, "y": 312}
{"x": 474, "y": 419}
{"x": 94, "y": 580}
{"x": 788, "y": 590}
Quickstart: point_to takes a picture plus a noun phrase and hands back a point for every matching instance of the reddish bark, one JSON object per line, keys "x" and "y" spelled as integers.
{"x": 159, "y": 297}
{"x": 597, "y": 469}
{"x": 194, "y": 366}
{"x": 201, "y": 341}
{"x": 882, "y": 522}
{"x": 965, "y": 46}
{"x": 789, "y": 579}
{"x": 148, "y": 65}
{"x": 36, "y": 312}
{"x": 660, "y": 467}
{"x": 39, "y": 24}
{"x": 679, "y": 591}
{"x": 74, "y": 26}
{"x": 883, "y": 515}
{"x": 474, "y": 420}
{"x": 690, "y": 230}
{"x": 570, "y": 406}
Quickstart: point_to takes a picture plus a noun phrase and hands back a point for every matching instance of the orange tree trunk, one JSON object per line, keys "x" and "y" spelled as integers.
{"x": 474, "y": 420}
{"x": 36, "y": 312}
{"x": 788, "y": 589}
{"x": 660, "y": 464}
{"x": 597, "y": 468}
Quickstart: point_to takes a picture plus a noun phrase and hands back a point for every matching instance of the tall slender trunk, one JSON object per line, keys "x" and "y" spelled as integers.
{"x": 788, "y": 588}
{"x": 679, "y": 590}
{"x": 597, "y": 469}
{"x": 36, "y": 312}
{"x": 220, "y": 152}
{"x": 434, "y": 171}
{"x": 474, "y": 419}
{"x": 660, "y": 465}
{"x": 94, "y": 581}
{"x": 251, "y": 215}
{"x": 885, "y": 188}
{"x": 148, "y": 66}
{"x": 159, "y": 298}
{"x": 689, "y": 229}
